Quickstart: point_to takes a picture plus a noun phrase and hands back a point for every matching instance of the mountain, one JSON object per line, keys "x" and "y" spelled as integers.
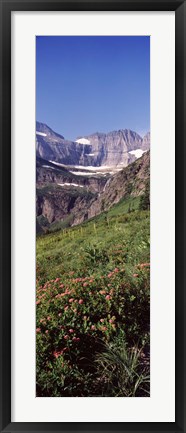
{"x": 116, "y": 148}
{"x": 130, "y": 182}
{"x": 64, "y": 199}
{"x": 146, "y": 142}
{"x": 53, "y": 146}
{"x": 111, "y": 149}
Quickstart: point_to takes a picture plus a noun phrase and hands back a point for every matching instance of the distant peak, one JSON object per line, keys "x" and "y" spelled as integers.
{"x": 43, "y": 128}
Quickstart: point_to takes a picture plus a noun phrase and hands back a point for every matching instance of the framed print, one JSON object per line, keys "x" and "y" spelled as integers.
{"x": 92, "y": 216}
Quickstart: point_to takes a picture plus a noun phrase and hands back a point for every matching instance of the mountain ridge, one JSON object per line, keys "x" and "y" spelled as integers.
{"x": 97, "y": 149}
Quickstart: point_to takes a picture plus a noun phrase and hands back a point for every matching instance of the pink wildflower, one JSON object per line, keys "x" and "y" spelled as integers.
{"x": 81, "y": 301}
{"x": 116, "y": 270}
{"x": 102, "y": 292}
{"x": 38, "y": 329}
{"x": 56, "y": 280}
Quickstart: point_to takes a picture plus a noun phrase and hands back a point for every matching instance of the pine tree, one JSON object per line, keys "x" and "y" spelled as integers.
{"x": 145, "y": 198}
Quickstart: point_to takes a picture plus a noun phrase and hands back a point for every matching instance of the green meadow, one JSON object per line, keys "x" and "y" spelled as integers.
{"x": 93, "y": 306}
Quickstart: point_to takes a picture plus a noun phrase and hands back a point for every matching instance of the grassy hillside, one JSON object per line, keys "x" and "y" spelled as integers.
{"x": 93, "y": 306}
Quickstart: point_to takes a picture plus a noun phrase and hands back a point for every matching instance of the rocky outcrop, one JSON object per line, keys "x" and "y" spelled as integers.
{"x": 131, "y": 181}
{"x": 57, "y": 203}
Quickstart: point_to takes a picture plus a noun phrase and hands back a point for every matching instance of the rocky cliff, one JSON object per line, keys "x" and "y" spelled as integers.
{"x": 65, "y": 204}
{"x": 131, "y": 181}
{"x": 99, "y": 149}
{"x": 49, "y": 173}
{"x": 146, "y": 142}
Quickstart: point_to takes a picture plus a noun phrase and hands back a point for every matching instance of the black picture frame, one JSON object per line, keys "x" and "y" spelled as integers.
{"x": 6, "y": 7}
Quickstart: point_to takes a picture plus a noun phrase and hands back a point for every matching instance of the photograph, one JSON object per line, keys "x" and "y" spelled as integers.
{"x": 92, "y": 144}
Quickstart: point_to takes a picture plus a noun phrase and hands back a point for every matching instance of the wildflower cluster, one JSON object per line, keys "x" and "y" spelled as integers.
{"x": 76, "y": 315}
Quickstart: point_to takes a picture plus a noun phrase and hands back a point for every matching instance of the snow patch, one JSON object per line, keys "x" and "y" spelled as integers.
{"x": 70, "y": 184}
{"x": 48, "y": 166}
{"x": 41, "y": 133}
{"x": 83, "y": 141}
{"x": 137, "y": 153}
{"x": 82, "y": 173}
{"x": 58, "y": 163}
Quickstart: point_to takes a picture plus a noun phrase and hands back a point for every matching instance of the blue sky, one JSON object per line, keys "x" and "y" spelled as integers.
{"x": 87, "y": 84}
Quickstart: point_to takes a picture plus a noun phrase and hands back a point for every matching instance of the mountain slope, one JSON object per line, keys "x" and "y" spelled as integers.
{"x": 72, "y": 203}
{"x": 131, "y": 181}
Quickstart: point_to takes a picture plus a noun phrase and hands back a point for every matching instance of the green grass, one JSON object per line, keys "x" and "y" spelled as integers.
{"x": 112, "y": 231}
{"x": 93, "y": 290}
